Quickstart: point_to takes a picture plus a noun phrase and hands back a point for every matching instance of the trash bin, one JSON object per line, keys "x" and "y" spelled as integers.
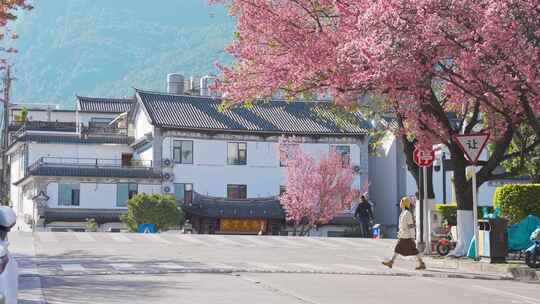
{"x": 377, "y": 232}
{"x": 492, "y": 239}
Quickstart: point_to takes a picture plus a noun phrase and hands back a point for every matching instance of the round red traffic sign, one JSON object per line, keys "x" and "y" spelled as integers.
{"x": 423, "y": 158}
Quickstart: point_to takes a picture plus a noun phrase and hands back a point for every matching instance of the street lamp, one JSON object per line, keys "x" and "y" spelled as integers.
{"x": 39, "y": 201}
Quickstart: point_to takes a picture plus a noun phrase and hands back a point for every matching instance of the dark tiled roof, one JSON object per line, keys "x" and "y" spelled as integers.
{"x": 276, "y": 117}
{"x": 205, "y": 206}
{"x": 80, "y": 215}
{"x": 104, "y": 105}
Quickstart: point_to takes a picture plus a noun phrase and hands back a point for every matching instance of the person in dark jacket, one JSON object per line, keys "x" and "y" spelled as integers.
{"x": 364, "y": 215}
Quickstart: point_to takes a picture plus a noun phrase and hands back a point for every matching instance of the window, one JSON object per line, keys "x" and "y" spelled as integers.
{"x": 282, "y": 189}
{"x": 124, "y": 192}
{"x": 133, "y": 189}
{"x": 183, "y": 193}
{"x": 68, "y": 194}
{"x": 183, "y": 151}
{"x": 345, "y": 152}
{"x": 236, "y": 191}
{"x": 236, "y": 153}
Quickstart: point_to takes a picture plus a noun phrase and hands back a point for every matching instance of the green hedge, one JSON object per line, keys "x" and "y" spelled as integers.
{"x": 449, "y": 212}
{"x": 160, "y": 210}
{"x": 517, "y": 201}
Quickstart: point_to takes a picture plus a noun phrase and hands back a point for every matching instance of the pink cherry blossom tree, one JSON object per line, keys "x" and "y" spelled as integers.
{"x": 441, "y": 67}
{"x": 318, "y": 187}
{"x": 8, "y": 11}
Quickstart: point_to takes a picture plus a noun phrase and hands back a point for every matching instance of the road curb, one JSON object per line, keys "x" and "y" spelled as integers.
{"x": 517, "y": 273}
{"x": 245, "y": 270}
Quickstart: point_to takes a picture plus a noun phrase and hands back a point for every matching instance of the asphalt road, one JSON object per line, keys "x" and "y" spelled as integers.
{"x": 171, "y": 268}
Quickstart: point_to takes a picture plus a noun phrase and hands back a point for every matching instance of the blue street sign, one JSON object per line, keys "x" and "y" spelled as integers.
{"x": 147, "y": 228}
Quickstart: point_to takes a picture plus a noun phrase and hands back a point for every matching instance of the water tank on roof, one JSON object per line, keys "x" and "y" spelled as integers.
{"x": 175, "y": 83}
{"x": 194, "y": 88}
{"x": 206, "y": 82}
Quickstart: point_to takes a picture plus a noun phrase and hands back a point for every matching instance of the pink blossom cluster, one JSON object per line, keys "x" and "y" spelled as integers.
{"x": 416, "y": 53}
{"x": 317, "y": 188}
{"x": 7, "y": 14}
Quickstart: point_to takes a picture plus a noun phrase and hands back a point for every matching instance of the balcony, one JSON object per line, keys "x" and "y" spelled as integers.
{"x": 48, "y": 131}
{"x": 93, "y": 163}
{"x": 92, "y": 167}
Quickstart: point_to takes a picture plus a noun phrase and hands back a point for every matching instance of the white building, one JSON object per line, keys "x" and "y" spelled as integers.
{"x": 223, "y": 167}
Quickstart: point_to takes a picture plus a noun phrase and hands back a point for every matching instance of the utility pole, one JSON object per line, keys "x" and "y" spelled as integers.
{"x": 5, "y": 134}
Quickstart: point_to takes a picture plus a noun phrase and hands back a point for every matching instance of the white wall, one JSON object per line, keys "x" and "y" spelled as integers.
{"x": 142, "y": 124}
{"x": 149, "y": 189}
{"x": 95, "y": 195}
{"x": 147, "y": 154}
{"x": 101, "y": 151}
{"x": 384, "y": 189}
{"x": 210, "y": 173}
{"x": 15, "y": 195}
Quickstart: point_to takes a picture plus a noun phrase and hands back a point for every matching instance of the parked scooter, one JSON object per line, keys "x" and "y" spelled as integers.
{"x": 446, "y": 243}
{"x": 532, "y": 254}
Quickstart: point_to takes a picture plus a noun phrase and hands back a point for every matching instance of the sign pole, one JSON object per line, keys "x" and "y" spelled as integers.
{"x": 475, "y": 213}
{"x": 423, "y": 158}
{"x": 472, "y": 145}
{"x": 425, "y": 219}
{"x": 421, "y": 201}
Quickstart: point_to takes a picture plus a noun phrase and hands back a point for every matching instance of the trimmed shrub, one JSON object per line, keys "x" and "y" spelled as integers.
{"x": 160, "y": 210}
{"x": 517, "y": 201}
{"x": 449, "y": 212}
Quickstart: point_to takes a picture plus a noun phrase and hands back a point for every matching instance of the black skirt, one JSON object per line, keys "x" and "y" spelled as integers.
{"x": 406, "y": 247}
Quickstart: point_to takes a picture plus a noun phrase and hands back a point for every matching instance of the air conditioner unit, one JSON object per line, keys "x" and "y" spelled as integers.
{"x": 168, "y": 176}
{"x": 167, "y": 162}
{"x": 357, "y": 169}
{"x": 167, "y": 189}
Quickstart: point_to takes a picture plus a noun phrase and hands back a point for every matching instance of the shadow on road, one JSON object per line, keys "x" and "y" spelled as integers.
{"x": 115, "y": 289}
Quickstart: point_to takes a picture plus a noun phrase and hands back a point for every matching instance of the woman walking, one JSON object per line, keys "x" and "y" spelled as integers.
{"x": 406, "y": 245}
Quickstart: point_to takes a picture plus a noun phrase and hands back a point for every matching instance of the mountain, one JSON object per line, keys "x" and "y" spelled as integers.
{"x": 105, "y": 48}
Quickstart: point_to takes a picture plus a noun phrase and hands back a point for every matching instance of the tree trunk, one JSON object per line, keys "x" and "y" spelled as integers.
{"x": 463, "y": 191}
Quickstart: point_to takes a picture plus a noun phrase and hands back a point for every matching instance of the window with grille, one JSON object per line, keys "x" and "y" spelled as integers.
{"x": 124, "y": 192}
{"x": 236, "y": 153}
{"x": 345, "y": 152}
{"x": 236, "y": 191}
{"x": 69, "y": 194}
{"x": 183, "y": 151}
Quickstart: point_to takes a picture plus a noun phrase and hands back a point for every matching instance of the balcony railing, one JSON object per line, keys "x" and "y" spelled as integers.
{"x": 57, "y": 126}
{"x": 103, "y": 130}
{"x": 44, "y": 128}
{"x": 90, "y": 163}
{"x": 43, "y": 125}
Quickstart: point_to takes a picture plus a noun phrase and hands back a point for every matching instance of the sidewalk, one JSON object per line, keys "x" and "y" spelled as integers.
{"x": 517, "y": 270}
